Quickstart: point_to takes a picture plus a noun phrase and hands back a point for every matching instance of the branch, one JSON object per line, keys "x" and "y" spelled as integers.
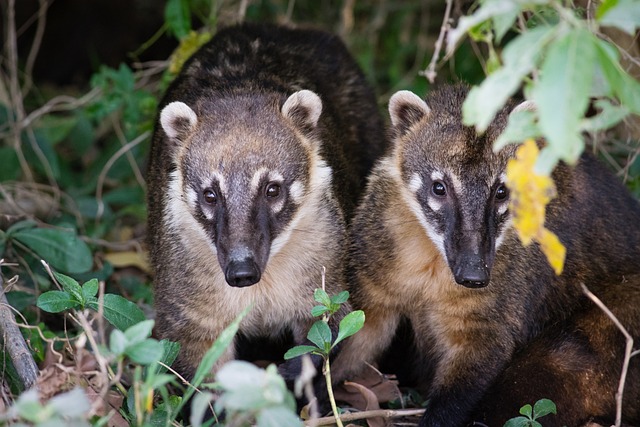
{"x": 15, "y": 344}
{"x": 430, "y": 72}
{"x": 384, "y": 413}
{"x": 628, "y": 352}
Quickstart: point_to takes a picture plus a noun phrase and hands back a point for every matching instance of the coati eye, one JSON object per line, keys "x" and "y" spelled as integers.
{"x": 502, "y": 192}
{"x": 272, "y": 191}
{"x": 439, "y": 189}
{"x": 210, "y": 197}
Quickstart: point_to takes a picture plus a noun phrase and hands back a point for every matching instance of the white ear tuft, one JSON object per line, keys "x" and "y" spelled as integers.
{"x": 303, "y": 107}
{"x": 406, "y": 108}
{"x": 525, "y": 106}
{"x": 178, "y": 120}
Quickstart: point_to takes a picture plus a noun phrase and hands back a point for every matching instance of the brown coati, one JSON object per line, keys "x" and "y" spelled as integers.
{"x": 259, "y": 153}
{"x": 494, "y": 327}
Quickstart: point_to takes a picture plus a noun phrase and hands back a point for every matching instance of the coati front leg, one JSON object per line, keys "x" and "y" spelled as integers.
{"x": 467, "y": 361}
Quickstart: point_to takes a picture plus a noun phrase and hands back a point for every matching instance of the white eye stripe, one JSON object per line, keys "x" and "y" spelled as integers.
{"x": 415, "y": 183}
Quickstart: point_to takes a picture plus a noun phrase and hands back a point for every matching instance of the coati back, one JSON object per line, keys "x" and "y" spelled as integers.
{"x": 495, "y": 328}
{"x": 259, "y": 153}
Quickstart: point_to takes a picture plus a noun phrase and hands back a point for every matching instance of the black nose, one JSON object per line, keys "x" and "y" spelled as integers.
{"x": 242, "y": 273}
{"x": 472, "y": 274}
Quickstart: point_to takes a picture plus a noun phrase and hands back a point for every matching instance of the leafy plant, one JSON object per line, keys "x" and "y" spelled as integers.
{"x": 320, "y": 334}
{"x": 69, "y": 409}
{"x": 531, "y": 415}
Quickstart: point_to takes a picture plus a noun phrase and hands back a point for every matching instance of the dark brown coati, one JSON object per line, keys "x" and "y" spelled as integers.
{"x": 494, "y": 327}
{"x": 258, "y": 156}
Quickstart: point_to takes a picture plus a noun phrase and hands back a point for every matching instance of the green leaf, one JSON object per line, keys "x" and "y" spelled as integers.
{"x": 518, "y": 422}
{"x": 119, "y": 311}
{"x": 608, "y": 116}
{"x": 145, "y": 352}
{"x": 622, "y": 14}
{"x": 520, "y": 58}
{"x": 90, "y": 289}
{"x": 139, "y": 332}
{"x": 321, "y": 296}
{"x": 299, "y": 350}
{"x": 349, "y": 325}
{"x": 527, "y": 411}
{"x": 9, "y": 164}
{"x": 117, "y": 342}
{"x": 56, "y": 301}
{"x": 544, "y": 407}
{"x": 178, "y": 17}
{"x": 71, "y": 286}
{"x": 277, "y": 416}
{"x": 199, "y": 407}
{"x": 320, "y": 335}
{"x": 521, "y": 125}
{"x": 62, "y": 249}
{"x": 340, "y": 298}
{"x": 319, "y": 310}
{"x": 562, "y": 93}
{"x": 217, "y": 349}
{"x": 625, "y": 87}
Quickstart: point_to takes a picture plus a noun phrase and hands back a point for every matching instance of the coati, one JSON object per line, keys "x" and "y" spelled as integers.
{"x": 259, "y": 153}
{"x": 494, "y": 327}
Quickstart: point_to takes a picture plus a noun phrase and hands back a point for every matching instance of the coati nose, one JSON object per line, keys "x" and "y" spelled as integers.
{"x": 472, "y": 274}
{"x": 242, "y": 273}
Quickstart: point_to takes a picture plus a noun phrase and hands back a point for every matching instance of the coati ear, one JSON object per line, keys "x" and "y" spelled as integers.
{"x": 303, "y": 108}
{"x": 178, "y": 120}
{"x": 406, "y": 108}
{"x": 524, "y": 106}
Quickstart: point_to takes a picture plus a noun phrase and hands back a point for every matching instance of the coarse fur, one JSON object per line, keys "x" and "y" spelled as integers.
{"x": 259, "y": 154}
{"x": 494, "y": 326}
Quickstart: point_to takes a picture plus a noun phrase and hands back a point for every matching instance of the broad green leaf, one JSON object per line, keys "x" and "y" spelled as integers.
{"x": 62, "y": 249}
{"x": 145, "y": 352}
{"x": 608, "y": 116}
{"x": 318, "y": 310}
{"x": 320, "y": 335}
{"x": 622, "y": 14}
{"x": 9, "y": 164}
{"x": 544, "y": 407}
{"x": 340, "y": 298}
{"x": 199, "y": 406}
{"x": 518, "y": 422}
{"x": 21, "y": 225}
{"x": 217, "y": 349}
{"x": 239, "y": 374}
{"x": 178, "y": 18}
{"x": 321, "y": 296}
{"x": 3, "y": 243}
{"x": 278, "y": 416}
{"x": 71, "y": 404}
{"x": 71, "y": 286}
{"x": 521, "y": 126}
{"x": 349, "y": 325}
{"x": 520, "y": 58}
{"x": 90, "y": 289}
{"x": 56, "y": 301}
{"x": 625, "y": 87}
{"x": 562, "y": 93}
{"x": 489, "y": 10}
{"x": 503, "y": 22}
{"x": 119, "y": 311}
{"x": 139, "y": 332}
{"x": 117, "y": 342}
{"x": 299, "y": 350}
{"x": 527, "y": 411}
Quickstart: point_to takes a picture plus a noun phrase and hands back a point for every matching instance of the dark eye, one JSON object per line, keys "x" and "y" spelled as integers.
{"x": 210, "y": 197}
{"x": 272, "y": 191}
{"x": 439, "y": 189}
{"x": 502, "y": 193}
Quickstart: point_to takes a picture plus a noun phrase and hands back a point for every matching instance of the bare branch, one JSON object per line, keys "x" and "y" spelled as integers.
{"x": 384, "y": 413}
{"x": 430, "y": 72}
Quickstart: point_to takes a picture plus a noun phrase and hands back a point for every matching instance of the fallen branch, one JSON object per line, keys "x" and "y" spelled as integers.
{"x": 384, "y": 413}
{"x": 15, "y": 344}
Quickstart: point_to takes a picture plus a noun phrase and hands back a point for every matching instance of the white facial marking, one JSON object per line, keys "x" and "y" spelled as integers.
{"x": 296, "y": 191}
{"x": 415, "y": 183}
{"x": 216, "y": 176}
{"x": 437, "y": 176}
{"x": 255, "y": 180}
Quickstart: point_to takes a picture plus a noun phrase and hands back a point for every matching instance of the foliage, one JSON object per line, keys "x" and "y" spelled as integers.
{"x": 531, "y": 415}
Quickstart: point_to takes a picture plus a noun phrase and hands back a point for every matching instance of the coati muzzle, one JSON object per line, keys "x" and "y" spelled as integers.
{"x": 471, "y": 271}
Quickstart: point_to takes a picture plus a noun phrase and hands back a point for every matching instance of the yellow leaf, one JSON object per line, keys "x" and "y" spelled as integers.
{"x": 128, "y": 259}
{"x": 530, "y": 194}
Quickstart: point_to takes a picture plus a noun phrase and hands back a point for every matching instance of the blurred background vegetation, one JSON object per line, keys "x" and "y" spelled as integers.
{"x": 80, "y": 81}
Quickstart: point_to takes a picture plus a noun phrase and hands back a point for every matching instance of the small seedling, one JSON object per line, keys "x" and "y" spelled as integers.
{"x": 320, "y": 334}
{"x": 530, "y": 415}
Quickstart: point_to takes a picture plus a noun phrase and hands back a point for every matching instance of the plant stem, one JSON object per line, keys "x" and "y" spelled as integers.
{"x": 327, "y": 376}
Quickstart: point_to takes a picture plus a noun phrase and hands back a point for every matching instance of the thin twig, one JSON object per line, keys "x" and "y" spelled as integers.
{"x": 628, "y": 352}
{"x": 35, "y": 46}
{"x": 384, "y": 413}
{"x": 430, "y": 72}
